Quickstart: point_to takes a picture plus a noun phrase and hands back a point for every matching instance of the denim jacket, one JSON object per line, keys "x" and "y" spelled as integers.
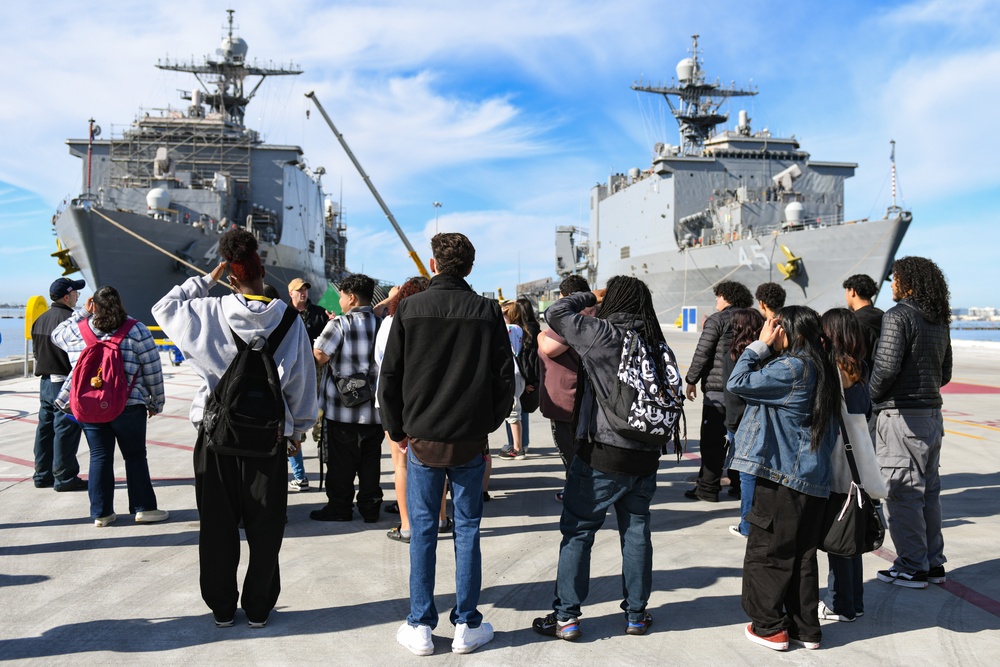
{"x": 773, "y": 440}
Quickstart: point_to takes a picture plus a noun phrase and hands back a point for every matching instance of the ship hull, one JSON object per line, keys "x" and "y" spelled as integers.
{"x": 142, "y": 273}
{"x": 685, "y": 278}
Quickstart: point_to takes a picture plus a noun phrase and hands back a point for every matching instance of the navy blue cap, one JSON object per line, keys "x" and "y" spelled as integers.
{"x": 64, "y": 286}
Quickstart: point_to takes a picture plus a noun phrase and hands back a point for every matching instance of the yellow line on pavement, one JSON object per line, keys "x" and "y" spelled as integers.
{"x": 959, "y": 421}
{"x": 966, "y": 435}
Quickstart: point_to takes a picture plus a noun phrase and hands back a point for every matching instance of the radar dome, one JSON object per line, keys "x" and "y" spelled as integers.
{"x": 793, "y": 213}
{"x": 234, "y": 48}
{"x": 158, "y": 199}
{"x": 685, "y": 70}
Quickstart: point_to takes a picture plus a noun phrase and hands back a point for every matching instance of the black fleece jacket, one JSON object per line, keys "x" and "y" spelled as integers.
{"x": 448, "y": 370}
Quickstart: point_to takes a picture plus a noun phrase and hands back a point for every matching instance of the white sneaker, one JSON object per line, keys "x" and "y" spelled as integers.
{"x": 297, "y": 485}
{"x": 151, "y": 516}
{"x": 827, "y": 614}
{"x": 102, "y": 521}
{"x": 416, "y": 638}
{"x": 469, "y": 639}
{"x": 735, "y": 530}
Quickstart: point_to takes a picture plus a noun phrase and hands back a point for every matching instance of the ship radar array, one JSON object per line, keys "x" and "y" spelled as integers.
{"x": 226, "y": 75}
{"x": 697, "y": 109}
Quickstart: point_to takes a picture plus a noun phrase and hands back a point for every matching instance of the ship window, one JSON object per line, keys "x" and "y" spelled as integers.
{"x": 626, "y": 252}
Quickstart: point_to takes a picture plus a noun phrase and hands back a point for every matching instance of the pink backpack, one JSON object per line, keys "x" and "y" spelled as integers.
{"x": 100, "y": 389}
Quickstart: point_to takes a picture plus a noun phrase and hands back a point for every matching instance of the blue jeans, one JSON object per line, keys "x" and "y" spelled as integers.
{"x": 588, "y": 495}
{"x": 57, "y": 439}
{"x": 845, "y": 588}
{"x": 129, "y": 429}
{"x": 747, "y": 484}
{"x": 424, "y": 488}
{"x": 524, "y": 432}
{"x": 298, "y": 465}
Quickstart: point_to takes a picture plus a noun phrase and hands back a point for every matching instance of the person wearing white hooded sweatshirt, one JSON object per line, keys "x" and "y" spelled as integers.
{"x": 229, "y": 489}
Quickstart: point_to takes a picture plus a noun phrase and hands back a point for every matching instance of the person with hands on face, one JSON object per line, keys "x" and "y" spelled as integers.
{"x": 792, "y": 390}
{"x": 230, "y": 489}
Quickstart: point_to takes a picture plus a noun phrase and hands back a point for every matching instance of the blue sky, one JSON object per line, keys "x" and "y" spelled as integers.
{"x": 507, "y": 113}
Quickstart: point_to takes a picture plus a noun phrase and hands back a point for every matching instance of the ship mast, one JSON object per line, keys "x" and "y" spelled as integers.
{"x": 226, "y": 75}
{"x": 697, "y": 110}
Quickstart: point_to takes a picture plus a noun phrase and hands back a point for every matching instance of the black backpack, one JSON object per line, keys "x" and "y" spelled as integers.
{"x": 245, "y": 413}
{"x": 643, "y": 406}
{"x": 527, "y": 362}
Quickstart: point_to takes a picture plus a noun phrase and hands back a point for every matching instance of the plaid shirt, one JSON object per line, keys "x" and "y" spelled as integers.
{"x": 139, "y": 351}
{"x": 348, "y": 341}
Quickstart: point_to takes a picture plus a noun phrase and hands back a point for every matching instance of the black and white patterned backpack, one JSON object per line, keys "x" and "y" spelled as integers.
{"x": 644, "y": 406}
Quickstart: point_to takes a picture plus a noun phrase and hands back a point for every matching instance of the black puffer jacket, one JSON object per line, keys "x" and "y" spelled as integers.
{"x": 716, "y": 338}
{"x": 912, "y": 360}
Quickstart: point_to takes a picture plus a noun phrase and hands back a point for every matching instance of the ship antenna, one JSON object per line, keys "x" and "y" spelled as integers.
{"x": 230, "y": 12}
{"x": 892, "y": 159}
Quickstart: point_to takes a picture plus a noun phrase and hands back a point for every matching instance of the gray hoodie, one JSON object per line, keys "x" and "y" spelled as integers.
{"x": 199, "y": 325}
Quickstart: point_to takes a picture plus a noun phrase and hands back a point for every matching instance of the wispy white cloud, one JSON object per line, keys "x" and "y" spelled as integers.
{"x": 961, "y": 13}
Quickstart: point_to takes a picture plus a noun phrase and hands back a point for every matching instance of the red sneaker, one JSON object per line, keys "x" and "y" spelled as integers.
{"x": 777, "y": 642}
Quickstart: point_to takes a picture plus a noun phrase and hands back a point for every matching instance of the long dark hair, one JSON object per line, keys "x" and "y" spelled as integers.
{"x": 626, "y": 294}
{"x": 528, "y": 320}
{"x": 846, "y": 342}
{"x": 806, "y": 341}
{"x": 746, "y": 323}
{"x": 109, "y": 313}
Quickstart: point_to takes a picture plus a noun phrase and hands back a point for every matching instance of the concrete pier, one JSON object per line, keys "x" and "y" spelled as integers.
{"x": 71, "y": 593}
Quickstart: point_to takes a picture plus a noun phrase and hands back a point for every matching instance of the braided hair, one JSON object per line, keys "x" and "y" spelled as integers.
{"x": 627, "y": 294}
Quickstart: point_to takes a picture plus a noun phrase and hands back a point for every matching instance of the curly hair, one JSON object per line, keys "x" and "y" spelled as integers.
{"x": 920, "y": 280}
{"x": 736, "y": 294}
{"x": 573, "y": 284}
{"x": 846, "y": 341}
{"x": 239, "y": 248}
{"x": 746, "y": 324}
{"x": 412, "y": 286}
{"x": 771, "y": 295}
{"x": 454, "y": 254}
{"x": 806, "y": 341}
{"x": 109, "y": 312}
{"x": 359, "y": 285}
{"x": 862, "y": 285}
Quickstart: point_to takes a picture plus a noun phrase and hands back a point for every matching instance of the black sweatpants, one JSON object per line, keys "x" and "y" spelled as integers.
{"x": 355, "y": 450}
{"x": 229, "y": 489}
{"x": 780, "y": 574}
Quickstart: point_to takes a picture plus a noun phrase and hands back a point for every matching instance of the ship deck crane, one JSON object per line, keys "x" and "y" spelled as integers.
{"x": 385, "y": 209}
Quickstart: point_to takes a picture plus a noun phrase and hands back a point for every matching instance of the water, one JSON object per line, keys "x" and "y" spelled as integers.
{"x": 12, "y": 331}
{"x": 981, "y": 331}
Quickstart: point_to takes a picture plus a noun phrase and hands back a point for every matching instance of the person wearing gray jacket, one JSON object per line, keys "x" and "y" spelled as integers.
{"x": 913, "y": 360}
{"x": 229, "y": 488}
{"x": 609, "y": 469}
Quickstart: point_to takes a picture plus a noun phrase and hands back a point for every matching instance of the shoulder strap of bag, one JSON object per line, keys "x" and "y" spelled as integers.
{"x": 86, "y": 332}
{"x": 278, "y": 335}
{"x": 849, "y": 450}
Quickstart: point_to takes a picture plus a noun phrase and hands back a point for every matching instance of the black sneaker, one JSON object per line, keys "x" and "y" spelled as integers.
{"x": 327, "y": 514}
{"x": 639, "y": 627}
{"x": 905, "y": 579}
{"x": 935, "y": 575}
{"x": 551, "y": 627}
{"x": 510, "y": 455}
{"x": 75, "y": 484}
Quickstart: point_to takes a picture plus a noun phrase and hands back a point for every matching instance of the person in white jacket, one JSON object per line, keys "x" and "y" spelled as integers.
{"x": 229, "y": 489}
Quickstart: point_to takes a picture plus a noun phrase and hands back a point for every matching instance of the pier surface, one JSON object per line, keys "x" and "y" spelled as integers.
{"x": 128, "y": 593}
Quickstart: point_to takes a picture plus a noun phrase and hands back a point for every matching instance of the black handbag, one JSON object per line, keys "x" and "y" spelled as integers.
{"x": 851, "y": 524}
{"x": 358, "y": 388}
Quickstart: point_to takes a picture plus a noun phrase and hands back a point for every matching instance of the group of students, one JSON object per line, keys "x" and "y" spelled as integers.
{"x": 785, "y": 376}
{"x": 446, "y": 364}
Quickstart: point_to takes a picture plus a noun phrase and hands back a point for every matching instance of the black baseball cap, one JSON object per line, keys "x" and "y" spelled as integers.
{"x": 63, "y": 286}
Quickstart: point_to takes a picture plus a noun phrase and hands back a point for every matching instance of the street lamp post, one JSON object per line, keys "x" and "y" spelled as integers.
{"x": 437, "y": 206}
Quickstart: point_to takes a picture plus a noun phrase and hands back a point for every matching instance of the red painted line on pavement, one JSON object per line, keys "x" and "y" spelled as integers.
{"x": 961, "y": 591}
{"x": 17, "y": 461}
{"x": 186, "y": 448}
{"x": 963, "y": 388}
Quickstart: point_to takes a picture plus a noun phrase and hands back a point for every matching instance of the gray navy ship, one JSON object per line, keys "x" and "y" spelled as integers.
{"x": 733, "y": 204}
{"x": 157, "y": 197}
